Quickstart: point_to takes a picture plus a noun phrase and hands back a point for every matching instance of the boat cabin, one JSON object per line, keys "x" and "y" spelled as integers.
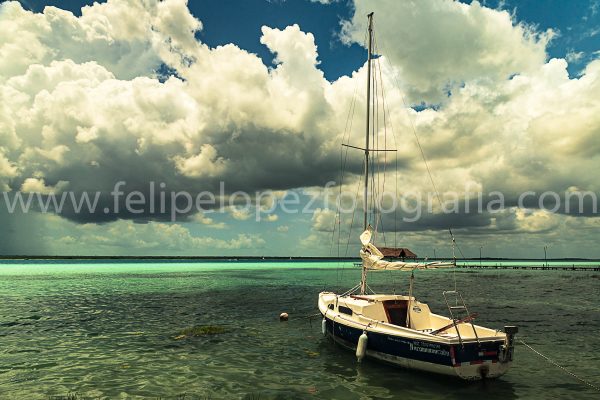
{"x": 401, "y": 253}
{"x": 393, "y": 309}
{"x": 399, "y": 311}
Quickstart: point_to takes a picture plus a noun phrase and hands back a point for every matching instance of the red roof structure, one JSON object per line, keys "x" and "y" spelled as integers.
{"x": 397, "y": 252}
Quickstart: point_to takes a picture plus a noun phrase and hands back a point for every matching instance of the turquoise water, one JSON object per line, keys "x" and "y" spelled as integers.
{"x": 107, "y": 330}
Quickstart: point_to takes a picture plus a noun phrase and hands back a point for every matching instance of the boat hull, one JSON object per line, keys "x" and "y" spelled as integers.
{"x": 470, "y": 361}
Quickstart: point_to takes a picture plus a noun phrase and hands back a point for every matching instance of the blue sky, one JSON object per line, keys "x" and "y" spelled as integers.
{"x": 239, "y": 22}
{"x": 253, "y": 110}
{"x": 577, "y": 23}
{"x": 234, "y": 21}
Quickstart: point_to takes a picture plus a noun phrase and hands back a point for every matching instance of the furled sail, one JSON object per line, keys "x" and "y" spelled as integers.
{"x": 372, "y": 258}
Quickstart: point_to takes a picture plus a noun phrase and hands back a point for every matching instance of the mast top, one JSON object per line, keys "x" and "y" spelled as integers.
{"x": 363, "y": 280}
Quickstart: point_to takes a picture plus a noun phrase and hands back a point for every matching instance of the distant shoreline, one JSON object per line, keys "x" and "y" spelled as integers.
{"x": 261, "y": 258}
{"x": 199, "y": 258}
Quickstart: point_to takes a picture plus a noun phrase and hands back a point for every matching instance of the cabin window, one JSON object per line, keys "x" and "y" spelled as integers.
{"x": 330, "y": 306}
{"x": 345, "y": 310}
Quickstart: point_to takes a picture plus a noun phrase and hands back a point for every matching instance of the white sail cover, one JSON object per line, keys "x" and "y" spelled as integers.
{"x": 372, "y": 258}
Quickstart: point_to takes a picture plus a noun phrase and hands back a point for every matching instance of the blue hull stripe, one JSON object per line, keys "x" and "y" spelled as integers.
{"x": 416, "y": 349}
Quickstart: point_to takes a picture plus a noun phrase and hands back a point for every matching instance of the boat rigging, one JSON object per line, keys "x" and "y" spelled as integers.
{"x": 399, "y": 329}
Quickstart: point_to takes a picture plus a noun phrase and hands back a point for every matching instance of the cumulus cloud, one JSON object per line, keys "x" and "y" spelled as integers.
{"x": 283, "y": 229}
{"x": 323, "y": 220}
{"x": 439, "y": 44}
{"x": 81, "y": 102}
{"x": 71, "y": 116}
{"x": 35, "y": 185}
{"x": 271, "y": 218}
{"x": 156, "y": 237}
{"x": 204, "y": 220}
{"x": 205, "y": 163}
{"x": 239, "y": 213}
{"x": 7, "y": 171}
{"x": 117, "y": 35}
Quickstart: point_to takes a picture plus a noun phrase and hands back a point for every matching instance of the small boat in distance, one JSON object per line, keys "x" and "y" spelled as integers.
{"x": 401, "y": 330}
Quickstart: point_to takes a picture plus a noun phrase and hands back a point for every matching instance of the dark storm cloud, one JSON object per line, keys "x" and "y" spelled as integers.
{"x": 259, "y": 160}
{"x": 280, "y": 160}
{"x": 490, "y": 214}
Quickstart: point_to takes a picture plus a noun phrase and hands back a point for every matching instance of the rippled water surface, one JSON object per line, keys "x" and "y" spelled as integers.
{"x": 107, "y": 330}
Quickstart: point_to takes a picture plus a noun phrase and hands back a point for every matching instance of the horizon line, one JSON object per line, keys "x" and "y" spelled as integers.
{"x": 248, "y": 257}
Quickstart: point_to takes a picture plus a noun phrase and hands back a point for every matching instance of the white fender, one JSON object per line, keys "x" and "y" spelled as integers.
{"x": 361, "y": 347}
{"x": 324, "y": 327}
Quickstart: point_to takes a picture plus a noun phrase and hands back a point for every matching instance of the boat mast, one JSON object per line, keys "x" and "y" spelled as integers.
{"x": 363, "y": 280}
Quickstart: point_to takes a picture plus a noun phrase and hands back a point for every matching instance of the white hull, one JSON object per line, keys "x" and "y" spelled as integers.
{"x": 413, "y": 346}
{"x": 467, "y": 372}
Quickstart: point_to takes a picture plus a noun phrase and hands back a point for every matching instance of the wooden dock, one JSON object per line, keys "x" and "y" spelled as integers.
{"x": 535, "y": 267}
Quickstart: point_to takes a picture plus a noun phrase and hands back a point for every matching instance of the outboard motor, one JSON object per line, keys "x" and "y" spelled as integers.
{"x": 506, "y": 350}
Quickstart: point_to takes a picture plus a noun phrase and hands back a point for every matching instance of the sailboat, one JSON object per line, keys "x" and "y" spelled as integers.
{"x": 401, "y": 330}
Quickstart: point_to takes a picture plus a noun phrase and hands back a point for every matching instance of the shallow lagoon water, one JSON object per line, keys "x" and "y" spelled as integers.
{"x": 107, "y": 330}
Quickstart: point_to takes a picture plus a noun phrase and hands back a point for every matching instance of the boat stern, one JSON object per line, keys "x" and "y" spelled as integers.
{"x": 487, "y": 359}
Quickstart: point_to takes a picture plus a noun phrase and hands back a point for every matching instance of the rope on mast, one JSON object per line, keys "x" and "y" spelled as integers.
{"x": 337, "y": 223}
{"x": 414, "y": 130}
{"x": 353, "y": 214}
